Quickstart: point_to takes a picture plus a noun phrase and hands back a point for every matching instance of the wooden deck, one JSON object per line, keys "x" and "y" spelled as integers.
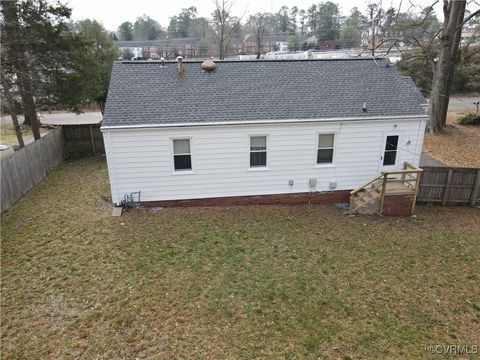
{"x": 369, "y": 198}
{"x": 398, "y": 188}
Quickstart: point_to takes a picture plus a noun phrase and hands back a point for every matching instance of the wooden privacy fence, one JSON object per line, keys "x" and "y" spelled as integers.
{"x": 450, "y": 186}
{"x": 27, "y": 166}
{"x": 83, "y": 139}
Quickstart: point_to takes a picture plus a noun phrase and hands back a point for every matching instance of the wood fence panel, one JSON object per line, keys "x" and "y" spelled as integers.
{"x": 38, "y": 170}
{"x": 23, "y": 177}
{"x": 14, "y": 175}
{"x": 27, "y": 166}
{"x": 5, "y": 182}
{"x": 29, "y": 171}
{"x": 462, "y": 185}
{"x": 476, "y": 190}
{"x": 79, "y": 139}
{"x": 449, "y": 186}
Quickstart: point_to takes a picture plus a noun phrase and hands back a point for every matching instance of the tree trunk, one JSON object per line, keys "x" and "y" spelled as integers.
{"x": 221, "y": 53}
{"x": 225, "y": 32}
{"x": 454, "y": 12}
{"x": 12, "y": 109}
{"x": 374, "y": 25}
{"x": 26, "y": 118}
{"x": 101, "y": 105}
{"x": 259, "y": 47}
{"x": 20, "y": 65}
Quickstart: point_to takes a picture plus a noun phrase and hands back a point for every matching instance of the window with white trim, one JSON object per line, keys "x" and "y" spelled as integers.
{"x": 182, "y": 157}
{"x": 325, "y": 148}
{"x": 258, "y": 151}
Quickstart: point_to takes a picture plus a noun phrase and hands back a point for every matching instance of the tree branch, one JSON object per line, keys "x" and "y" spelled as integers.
{"x": 469, "y": 17}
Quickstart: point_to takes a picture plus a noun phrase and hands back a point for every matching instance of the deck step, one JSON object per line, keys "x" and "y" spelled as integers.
{"x": 367, "y": 201}
{"x": 367, "y": 198}
{"x": 368, "y": 207}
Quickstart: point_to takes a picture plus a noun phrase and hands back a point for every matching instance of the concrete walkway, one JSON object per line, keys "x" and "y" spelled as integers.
{"x": 93, "y": 117}
{"x": 462, "y": 104}
{"x": 426, "y": 160}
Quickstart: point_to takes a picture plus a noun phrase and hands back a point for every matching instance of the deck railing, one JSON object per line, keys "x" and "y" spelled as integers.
{"x": 409, "y": 177}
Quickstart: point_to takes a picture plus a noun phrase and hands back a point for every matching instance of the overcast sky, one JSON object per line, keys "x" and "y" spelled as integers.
{"x": 113, "y": 12}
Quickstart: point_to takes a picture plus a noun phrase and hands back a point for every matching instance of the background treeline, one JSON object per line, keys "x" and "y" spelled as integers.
{"x": 412, "y": 31}
{"x": 50, "y": 62}
{"x": 323, "y": 20}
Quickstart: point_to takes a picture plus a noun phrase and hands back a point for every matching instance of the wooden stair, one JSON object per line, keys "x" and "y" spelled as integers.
{"x": 369, "y": 198}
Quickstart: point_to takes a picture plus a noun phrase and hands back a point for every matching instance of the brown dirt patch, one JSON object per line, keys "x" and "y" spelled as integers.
{"x": 455, "y": 145}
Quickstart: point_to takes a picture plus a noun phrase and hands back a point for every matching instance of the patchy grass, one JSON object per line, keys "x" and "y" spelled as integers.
{"x": 8, "y": 136}
{"x": 456, "y": 144}
{"x": 242, "y": 282}
{"x": 469, "y": 119}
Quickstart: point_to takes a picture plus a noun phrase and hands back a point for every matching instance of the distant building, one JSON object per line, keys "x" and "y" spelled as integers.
{"x": 189, "y": 47}
{"x": 277, "y": 43}
{"x": 171, "y": 48}
{"x": 135, "y": 47}
{"x": 470, "y": 35}
{"x": 313, "y": 43}
{"x": 166, "y": 48}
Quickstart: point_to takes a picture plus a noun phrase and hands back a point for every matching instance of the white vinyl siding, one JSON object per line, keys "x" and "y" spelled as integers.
{"x": 141, "y": 159}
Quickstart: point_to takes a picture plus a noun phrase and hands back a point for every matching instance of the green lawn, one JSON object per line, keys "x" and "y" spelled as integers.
{"x": 7, "y": 135}
{"x": 242, "y": 282}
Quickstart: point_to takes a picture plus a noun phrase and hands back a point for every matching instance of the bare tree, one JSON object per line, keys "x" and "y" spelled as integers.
{"x": 11, "y": 107}
{"x": 440, "y": 49}
{"x": 374, "y": 12}
{"x": 258, "y": 23}
{"x": 224, "y": 25}
{"x": 454, "y": 20}
{"x": 15, "y": 50}
{"x": 382, "y": 25}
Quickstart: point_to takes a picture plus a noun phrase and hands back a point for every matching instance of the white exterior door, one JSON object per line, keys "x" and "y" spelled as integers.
{"x": 389, "y": 152}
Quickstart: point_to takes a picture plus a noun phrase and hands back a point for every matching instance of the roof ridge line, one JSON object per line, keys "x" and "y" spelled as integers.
{"x": 186, "y": 61}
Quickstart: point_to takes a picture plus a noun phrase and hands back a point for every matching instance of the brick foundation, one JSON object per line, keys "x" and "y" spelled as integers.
{"x": 397, "y": 205}
{"x": 288, "y": 199}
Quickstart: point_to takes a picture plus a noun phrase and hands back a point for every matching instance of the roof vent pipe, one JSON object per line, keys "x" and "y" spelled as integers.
{"x": 364, "y": 108}
{"x": 162, "y": 62}
{"x": 180, "y": 69}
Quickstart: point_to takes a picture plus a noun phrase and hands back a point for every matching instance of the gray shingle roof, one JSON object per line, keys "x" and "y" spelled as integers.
{"x": 144, "y": 93}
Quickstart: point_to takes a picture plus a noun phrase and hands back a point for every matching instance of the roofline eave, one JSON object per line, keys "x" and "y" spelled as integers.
{"x": 262, "y": 122}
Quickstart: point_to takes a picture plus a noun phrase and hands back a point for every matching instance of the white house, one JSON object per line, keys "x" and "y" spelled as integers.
{"x": 135, "y": 47}
{"x": 281, "y": 42}
{"x": 257, "y": 131}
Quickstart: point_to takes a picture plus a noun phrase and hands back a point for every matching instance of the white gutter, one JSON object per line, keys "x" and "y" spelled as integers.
{"x": 255, "y": 122}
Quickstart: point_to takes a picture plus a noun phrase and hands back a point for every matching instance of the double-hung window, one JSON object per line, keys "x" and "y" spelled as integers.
{"x": 325, "y": 148}
{"x": 258, "y": 151}
{"x": 182, "y": 157}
